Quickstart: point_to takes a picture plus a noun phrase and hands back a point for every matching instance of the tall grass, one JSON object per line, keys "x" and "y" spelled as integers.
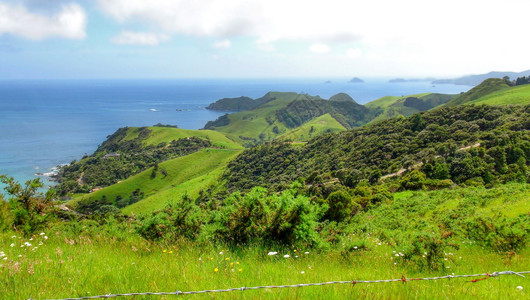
{"x": 82, "y": 262}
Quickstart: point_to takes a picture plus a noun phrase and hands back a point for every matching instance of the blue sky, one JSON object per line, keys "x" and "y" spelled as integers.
{"x": 253, "y": 38}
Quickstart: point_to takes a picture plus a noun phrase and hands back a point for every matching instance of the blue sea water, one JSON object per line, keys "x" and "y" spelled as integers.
{"x": 51, "y": 122}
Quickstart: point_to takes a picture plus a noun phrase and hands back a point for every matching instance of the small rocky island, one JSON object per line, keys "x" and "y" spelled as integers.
{"x": 356, "y": 80}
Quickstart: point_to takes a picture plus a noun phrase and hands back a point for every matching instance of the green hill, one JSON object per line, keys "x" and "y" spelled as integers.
{"x": 131, "y": 150}
{"x": 392, "y": 106}
{"x": 319, "y": 125}
{"x": 487, "y": 87}
{"x": 461, "y": 142}
{"x": 519, "y": 95}
{"x": 159, "y": 135}
{"x": 260, "y": 124}
{"x": 183, "y": 175}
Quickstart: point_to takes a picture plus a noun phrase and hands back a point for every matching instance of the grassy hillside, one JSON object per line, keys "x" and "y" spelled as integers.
{"x": 392, "y": 106}
{"x": 387, "y": 101}
{"x": 519, "y": 95}
{"x": 186, "y": 174}
{"x": 250, "y": 127}
{"x": 487, "y": 87}
{"x": 323, "y": 124}
{"x": 159, "y": 135}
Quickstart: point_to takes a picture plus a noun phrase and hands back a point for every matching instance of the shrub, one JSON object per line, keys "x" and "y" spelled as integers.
{"x": 499, "y": 233}
{"x": 426, "y": 251}
{"x": 257, "y": 216}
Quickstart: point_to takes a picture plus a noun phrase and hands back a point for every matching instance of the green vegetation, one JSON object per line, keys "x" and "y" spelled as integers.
{"x": 485, "y": 143}
{"x": 145, "y": 192}
{"x": 440, "y": 192}
{"x": 260, "y": 124}
{"x": 131, "y": 150}
{"x": 473, "y": 230}
{"x": 487, "y": 87}
{"x": 159, "y": 135}
{"x": 519, "y": 95}
{"x": 320, "y": 125}
{"x": 392, "y": 107}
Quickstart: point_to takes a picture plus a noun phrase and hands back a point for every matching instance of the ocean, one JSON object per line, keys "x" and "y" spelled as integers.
{"x": 45, "y": 123}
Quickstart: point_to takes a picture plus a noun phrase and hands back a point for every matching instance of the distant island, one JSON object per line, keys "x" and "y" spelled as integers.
{"x": 401, "y": 80}
{"x": 474, "y": 80}
{"x": 356, "y": 80}
{"x": 397, "y": 80}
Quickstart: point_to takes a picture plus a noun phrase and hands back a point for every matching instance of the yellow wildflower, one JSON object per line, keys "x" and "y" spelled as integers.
{"x": 237, "y": 263}
{"x": 240, "y": 270}
{"x": 216, "y": 270}
{"x": 164, "y": 251}
{"x": 227, "y": 258}
{"x": 231, "y": 264}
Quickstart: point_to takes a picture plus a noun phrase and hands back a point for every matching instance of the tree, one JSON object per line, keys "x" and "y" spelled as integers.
{"x": 27, "y": 204}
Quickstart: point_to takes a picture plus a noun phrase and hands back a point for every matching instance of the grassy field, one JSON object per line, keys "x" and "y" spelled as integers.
{"x": 515, "y": 95}
{"x": 88, "y": 258}
{"x": 69, "y": 264}
{"x": 187, "y": 174}
{"x": 315, "y": 127}
{"x": 167, "y": 134}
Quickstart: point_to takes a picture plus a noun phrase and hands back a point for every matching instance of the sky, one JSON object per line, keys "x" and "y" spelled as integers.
{"x": 261, "y": 39}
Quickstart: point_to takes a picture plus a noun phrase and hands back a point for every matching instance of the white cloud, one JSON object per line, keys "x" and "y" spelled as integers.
{"x": 265, "y": 45}
{"x": 139, "y": 38}
{"x": 69, "y": 22}
{"x": 354, "y": 53}
{"x": 224, "y": 44}
{"x": 436, "y": 36}
{"x": 319, "y": 48}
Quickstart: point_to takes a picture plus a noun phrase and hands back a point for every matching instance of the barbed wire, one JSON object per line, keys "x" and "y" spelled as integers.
{"x": 403, "y": 279}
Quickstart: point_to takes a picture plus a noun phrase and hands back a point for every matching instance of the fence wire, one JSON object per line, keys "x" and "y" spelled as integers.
{"x": 403, "y": 279}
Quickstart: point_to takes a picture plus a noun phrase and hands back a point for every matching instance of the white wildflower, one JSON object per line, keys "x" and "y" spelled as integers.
{"x": 396, "y": 254}
{"x": 355, "y": 247}
{"x": 519, "y": 288}
{"x": 5, "y": 258}
{"x": 302, "y": 272}
{"x": 45, "y": 237}
{"x": 272, "y": 253}
{"x": 306, "y": 252}
{"x": 42, "y": 233}
{"x": 12, "y": 245}
{"x": 221, "y": 253}
{"x": 286, "y": 256}
{"x": 13, "y": 236}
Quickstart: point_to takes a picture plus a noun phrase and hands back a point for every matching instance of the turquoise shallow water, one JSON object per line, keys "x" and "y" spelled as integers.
{"x": 47, "y": 123}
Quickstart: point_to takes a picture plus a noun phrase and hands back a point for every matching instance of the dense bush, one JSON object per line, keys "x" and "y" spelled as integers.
{"x": 27, "y": 210}
{"x": 457, "y": 143}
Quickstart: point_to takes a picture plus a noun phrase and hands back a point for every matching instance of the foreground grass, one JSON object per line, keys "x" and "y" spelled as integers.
{"x": 74, "y": 264}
